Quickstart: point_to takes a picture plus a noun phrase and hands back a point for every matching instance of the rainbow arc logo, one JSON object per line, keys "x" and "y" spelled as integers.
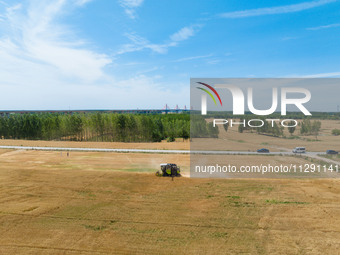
{"x": 209, "y": 93}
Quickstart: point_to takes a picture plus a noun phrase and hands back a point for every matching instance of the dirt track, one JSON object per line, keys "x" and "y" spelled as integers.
{"x": 178, "y": 145}
{"x": 52, "y": 204}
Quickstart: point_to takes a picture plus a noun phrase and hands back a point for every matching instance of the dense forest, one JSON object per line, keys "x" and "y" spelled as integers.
{"x": 114, "y": 127}
{"x": 98, "y": 126}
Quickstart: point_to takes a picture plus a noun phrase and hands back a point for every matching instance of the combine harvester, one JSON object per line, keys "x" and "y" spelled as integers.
{"x": 169, "y": 170}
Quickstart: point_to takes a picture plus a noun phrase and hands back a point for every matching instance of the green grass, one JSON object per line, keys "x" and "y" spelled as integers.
{"x": 273, "y": 201}
{"x": 142, "y": 170}
{"x": 337, "y": 156}
{"x": 236, "y": 201}
{"x": 95, "y": 228}
{"x": 242, "y": 204}
{"x": 293, "y": 137}
{"x": 219, "y": 234}
{"x": 234, "y": 197}
{"x": 320, "y": 162}
{"x": 86, "y": 193}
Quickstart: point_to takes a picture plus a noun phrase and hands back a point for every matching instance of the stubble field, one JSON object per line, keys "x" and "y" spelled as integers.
{"x": 102, "y": 203}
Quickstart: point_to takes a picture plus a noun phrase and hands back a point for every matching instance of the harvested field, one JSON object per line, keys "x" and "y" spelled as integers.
{"x": 95, "y": 203}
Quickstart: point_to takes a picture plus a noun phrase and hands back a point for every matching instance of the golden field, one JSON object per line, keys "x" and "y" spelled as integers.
{"x": 102, "y": 203}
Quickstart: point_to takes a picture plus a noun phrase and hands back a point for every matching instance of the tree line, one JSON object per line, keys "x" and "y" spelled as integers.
{"x": 110, "y": 127}
{"x": 200, "y": 128}
{"x": 270, "y": 128}
{"x": 307, "y": 127}
{"x": 276, "y": 115}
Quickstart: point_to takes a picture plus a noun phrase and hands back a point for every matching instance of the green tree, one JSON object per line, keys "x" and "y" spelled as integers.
{"x": 315, "y": 128}
{"x": 212, "y": 131}
{"x": 291, "y": 128}
{"x": 336, "y": 132}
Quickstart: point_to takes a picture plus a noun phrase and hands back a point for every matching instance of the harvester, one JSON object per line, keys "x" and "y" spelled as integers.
{"x": 168, "y": 169}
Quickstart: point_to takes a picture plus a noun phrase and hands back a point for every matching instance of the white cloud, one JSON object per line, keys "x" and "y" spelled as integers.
{"x": 192, "y": 58}
{"x": 82, "y": 2}
{"x": 324, "y": 27}
{"x": 130, "y": 7}
{"x": 276, "y": 10}
{"x": 45, "y": 65}
{"x": 321, "y": 75}
{"x": 213, "y": 61}
{"x": 150, "y": 70}
{"x": 141, "y": 43}
{"x": 131, "y": 3}
{"x": 138, "y": 92}
{"x": 183, "y": 34}
{"x": 3, "y": 3}
{"x": 288, "y": 38}
{"x": 33, "y": 36}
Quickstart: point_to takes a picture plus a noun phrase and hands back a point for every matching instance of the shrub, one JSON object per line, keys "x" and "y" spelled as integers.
{"x": 336, "y": 132}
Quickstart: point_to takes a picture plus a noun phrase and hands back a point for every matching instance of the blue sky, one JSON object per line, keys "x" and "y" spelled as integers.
{"x": 126, "y": 54}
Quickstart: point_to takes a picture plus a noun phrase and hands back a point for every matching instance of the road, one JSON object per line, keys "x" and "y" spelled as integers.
{"x": 288, "y": 153}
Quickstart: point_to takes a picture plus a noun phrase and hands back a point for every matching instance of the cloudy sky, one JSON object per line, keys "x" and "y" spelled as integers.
{"x": 126, "y": 54}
